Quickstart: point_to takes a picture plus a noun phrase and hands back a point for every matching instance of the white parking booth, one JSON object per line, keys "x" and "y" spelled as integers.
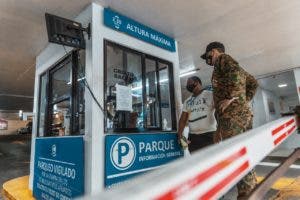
{"x": 105, "y": 113}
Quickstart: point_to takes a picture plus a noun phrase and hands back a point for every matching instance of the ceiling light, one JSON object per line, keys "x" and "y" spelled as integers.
{"x": 188, "y": 73}
{"x": 80, "y": 79}
{"x": 20, "y": 113}
{"x": 163, "y": 80}
{"x": 282, "y": 85}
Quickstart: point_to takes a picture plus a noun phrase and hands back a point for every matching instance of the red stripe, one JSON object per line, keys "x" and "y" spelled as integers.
{"x": 201, "y": 177}
{"x": 290, "y": 122}
{"x": 291, "y": 130}
{"x": 278, "y": 129}
{"x": 284, "y": 135}
{"x": 212, "y": 192}
{"x": 280, "y": 138}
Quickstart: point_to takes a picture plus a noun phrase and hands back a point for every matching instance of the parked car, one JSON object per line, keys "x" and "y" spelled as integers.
{"x": 25, "y": 130}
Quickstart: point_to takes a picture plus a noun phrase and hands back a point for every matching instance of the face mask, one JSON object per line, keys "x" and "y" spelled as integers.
{"x": 209, "y": 60}
{"x": 190, "y": 87}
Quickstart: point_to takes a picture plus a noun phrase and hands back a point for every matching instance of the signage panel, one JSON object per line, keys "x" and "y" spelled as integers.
{"x": 58, "y": 168}
{"x": 135, "y": 29}
{"x": 129, "y": 155}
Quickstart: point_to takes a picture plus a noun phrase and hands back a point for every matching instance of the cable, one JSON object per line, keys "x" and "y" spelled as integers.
{"x": 82, "y": 77}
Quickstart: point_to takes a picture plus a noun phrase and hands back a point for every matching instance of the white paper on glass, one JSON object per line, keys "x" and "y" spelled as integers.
{"x": 124, "y": 98}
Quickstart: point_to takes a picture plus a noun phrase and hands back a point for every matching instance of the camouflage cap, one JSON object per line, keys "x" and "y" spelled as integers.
{"x": 213, "y": 45}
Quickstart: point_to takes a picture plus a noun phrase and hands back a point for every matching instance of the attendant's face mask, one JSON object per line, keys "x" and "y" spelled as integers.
{"x": 190, "y": 87}
{"x": 209, "y": 58}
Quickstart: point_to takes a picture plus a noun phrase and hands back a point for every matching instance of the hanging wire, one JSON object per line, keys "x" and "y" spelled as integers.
{"x": 82, "y": 78}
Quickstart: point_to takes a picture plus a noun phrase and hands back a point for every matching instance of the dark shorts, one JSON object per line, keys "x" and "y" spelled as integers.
{"x": 199, "y": 141}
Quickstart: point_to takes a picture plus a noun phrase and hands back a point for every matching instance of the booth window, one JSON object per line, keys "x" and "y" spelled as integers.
{"x": 61, "y": 102}
{"x": 60, "y": 99}
{"x": 137, "y": 91}
{"x": 42, "y": 104}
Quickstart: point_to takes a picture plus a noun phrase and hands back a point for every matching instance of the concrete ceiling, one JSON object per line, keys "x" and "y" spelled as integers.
{"x": 22, "y": 37}
{"x": 262, "y": 35}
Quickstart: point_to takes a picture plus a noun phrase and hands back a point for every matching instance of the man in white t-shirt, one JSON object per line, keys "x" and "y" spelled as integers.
{"x": 198, "y": 112}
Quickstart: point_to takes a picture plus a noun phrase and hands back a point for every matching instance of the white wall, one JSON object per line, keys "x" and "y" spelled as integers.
{"x": 269, "y": 96}
{"x": 297, "y": 79}
{"x": 261, "y": 110}
{"x": 290, "y": 101}
{"x": 27, "y": 116}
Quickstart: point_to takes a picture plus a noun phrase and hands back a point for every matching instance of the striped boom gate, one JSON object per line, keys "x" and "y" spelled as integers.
{"x": 209, "y": 173}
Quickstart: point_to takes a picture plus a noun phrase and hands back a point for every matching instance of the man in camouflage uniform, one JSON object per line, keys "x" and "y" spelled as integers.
{"x": 233, "y": 89}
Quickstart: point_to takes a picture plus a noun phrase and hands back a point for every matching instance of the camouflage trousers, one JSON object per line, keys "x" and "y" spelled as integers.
{"x": 228, "y": 127}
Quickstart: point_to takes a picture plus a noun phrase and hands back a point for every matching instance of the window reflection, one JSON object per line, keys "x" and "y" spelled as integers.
{"x": 165, "y": 96}
{"x": 124, "y": 68}
{"x": 79, "y": 120}
{"x": 152, "y": 102}
{"x": 61, "y": 115}
{"x": 62, "y": 82}
{"x": 60, "y": 110}
{"x": 61, "y": 99}
{"x": 42, "y": 106}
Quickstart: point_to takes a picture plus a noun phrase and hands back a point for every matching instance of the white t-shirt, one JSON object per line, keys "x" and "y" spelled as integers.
{"x": 201, "y": 113}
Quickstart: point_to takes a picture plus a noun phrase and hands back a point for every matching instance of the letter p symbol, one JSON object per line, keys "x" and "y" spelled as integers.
{"x": 123, "y": 151}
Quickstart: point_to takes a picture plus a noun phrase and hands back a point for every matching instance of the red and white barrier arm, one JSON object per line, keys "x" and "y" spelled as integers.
{"x": 209, "y": 173}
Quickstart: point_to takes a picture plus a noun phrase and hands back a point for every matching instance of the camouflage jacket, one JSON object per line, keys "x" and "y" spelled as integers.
{"x": 230, "y": 80}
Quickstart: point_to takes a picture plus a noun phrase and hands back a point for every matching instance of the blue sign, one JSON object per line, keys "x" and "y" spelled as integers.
{"x": 133, "y": 28}
{"x": 58, "y": 168}
{"x": 129, "y": 155}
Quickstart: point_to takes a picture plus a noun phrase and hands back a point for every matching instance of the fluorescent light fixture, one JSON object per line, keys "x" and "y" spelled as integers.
{"x": 282, "y": 85}
{"x": 20, "y": 113}
{"x": 147, "y": 85}
{"x": 188, "y": 73}
{"x": 80, "y": 79}
{"x": 163, "y": 80}
{"x": 136, "y": 95}
{"x": 136, "y": 88}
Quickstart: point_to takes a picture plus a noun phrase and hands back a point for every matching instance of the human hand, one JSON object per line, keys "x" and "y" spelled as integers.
{"x": 183, "y": 142}
{"x": 179, "y": 136}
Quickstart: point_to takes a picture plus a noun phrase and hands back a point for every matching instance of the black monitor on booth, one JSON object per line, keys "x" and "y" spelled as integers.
{"x": 64, "y": 31}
